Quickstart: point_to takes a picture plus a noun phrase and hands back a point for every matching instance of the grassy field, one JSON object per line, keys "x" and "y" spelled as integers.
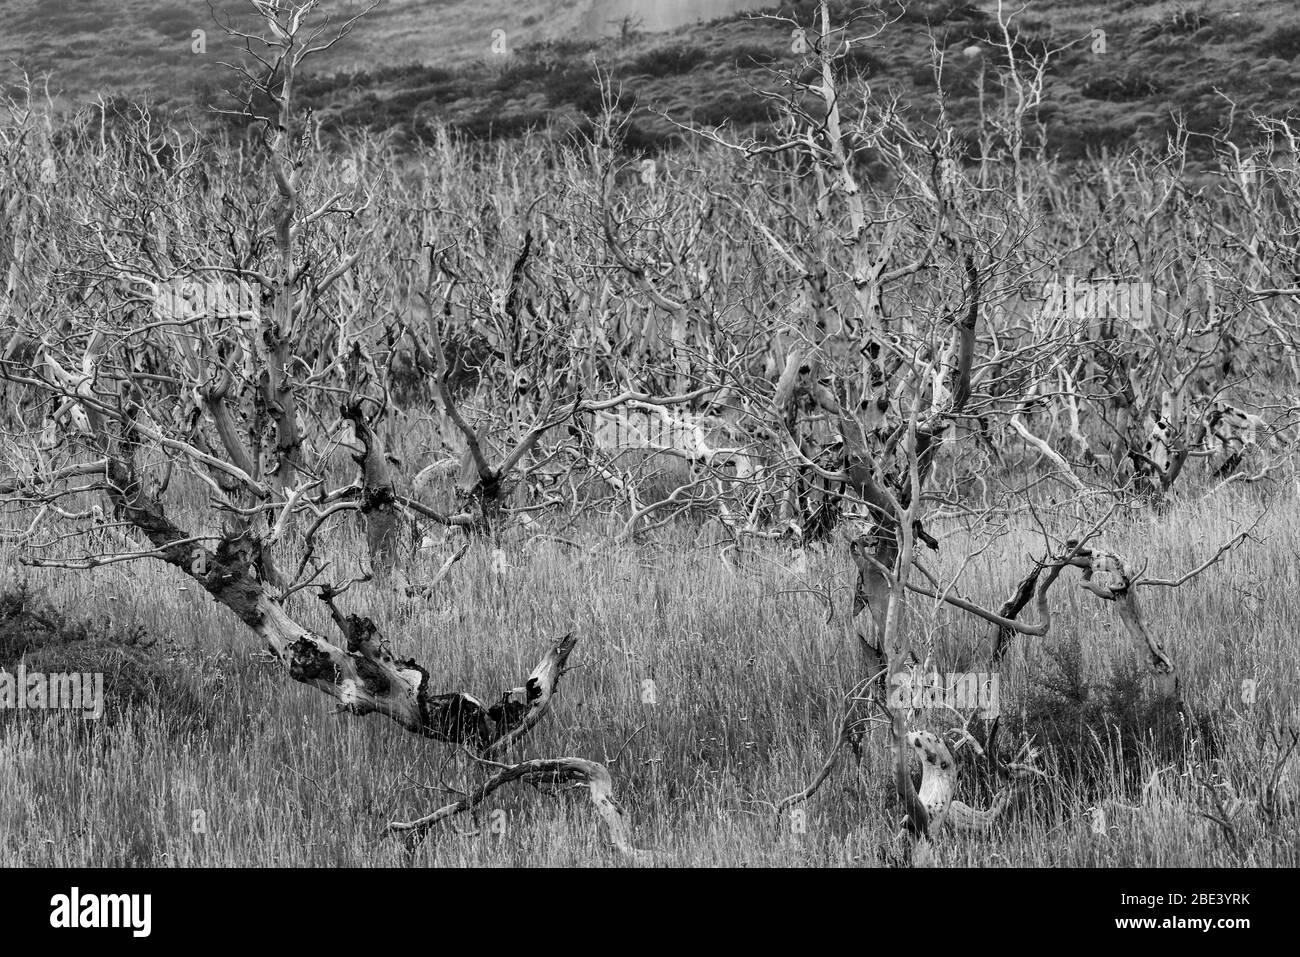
{"x": 713, "y": 663}
{"x": 747, "y": 679}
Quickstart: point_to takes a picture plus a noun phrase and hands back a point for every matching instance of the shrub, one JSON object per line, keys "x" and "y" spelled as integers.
{"x": 492, "y": 124}
{"x": 411, "y": 74}
{"x": 650, "y": 139}
{"x": 732, "y": 107}
{"x": 938, "y": 11}
{"x": 40, "y": 636}
{"x": 578, "y": 85}
{"x": 923, "y": 76}
{"x": 668, "y": 61}
{"x": 1181, "y": 22}
{"x": 858, "y": 62}
{"x": 1129, "y": 85}
{"x": 746, "y": 55}
{"x": 1283, "y": 43}
{"x": 1107, "y": 733}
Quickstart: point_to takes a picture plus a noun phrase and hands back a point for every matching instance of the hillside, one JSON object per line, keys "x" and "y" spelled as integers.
{"x": 1160, "y": 60}
{"x": 146, "y": 45}
{"x": 412, "y": 64}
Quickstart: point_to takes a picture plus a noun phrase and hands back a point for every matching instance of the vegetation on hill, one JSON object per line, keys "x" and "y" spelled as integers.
{"x": 1213, "y": 63}
{"x": 1209, "y": 64}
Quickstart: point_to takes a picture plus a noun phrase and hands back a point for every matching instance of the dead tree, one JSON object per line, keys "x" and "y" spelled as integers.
{"x": 198, "y": 429}
{"x": 920, "y": 379}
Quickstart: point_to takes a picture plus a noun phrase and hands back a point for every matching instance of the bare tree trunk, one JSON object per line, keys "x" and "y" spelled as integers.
{"x": 380, "y": 502}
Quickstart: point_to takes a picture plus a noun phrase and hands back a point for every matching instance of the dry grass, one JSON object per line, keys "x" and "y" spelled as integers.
{"x": 747, "y": 678}
{"x": 747, "y": 671}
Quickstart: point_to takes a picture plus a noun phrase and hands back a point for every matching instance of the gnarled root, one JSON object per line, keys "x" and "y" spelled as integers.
{"x": 939, "y": 782}
{"x": 547, "y": 772}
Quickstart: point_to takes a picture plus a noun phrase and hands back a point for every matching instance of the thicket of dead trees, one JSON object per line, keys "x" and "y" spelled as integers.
{"x": 217, "y": 361}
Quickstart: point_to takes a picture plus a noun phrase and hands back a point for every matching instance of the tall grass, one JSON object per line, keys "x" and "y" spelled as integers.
{"x": 747, "y": 678}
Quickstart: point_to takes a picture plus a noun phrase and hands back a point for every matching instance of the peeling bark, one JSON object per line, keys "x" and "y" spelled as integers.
{"x": 939, "y": 784}
{"x": 380, "y": 502}
{"x": 366, "y": 677}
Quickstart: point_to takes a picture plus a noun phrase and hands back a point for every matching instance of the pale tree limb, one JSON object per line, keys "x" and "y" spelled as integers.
{"x": 424, "y": 589}
{"x": 552, "y": 772}
{"x": 1223, "y": 549}
{"x": 843, "y": 735}
{"x": 1051, "y": 453}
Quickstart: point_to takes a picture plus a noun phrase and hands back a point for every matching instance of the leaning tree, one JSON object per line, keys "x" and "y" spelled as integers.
{"x": 188, "y": 371}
